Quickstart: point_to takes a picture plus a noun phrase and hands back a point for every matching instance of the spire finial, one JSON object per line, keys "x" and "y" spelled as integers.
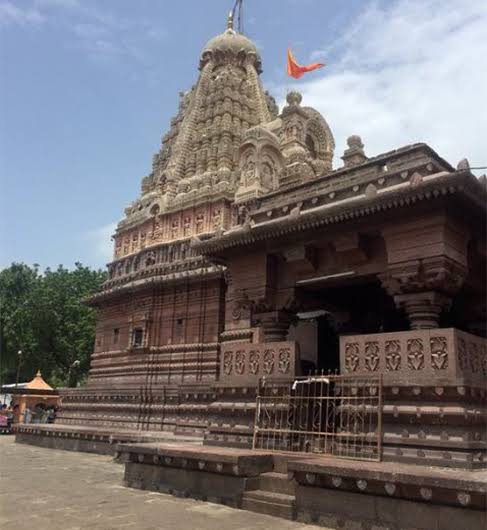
{"x": 230, "y": 20}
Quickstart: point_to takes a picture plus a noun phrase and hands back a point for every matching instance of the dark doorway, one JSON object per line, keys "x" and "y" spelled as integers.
{"x": 328, "y": 346}
{"x": 357, "y": 307}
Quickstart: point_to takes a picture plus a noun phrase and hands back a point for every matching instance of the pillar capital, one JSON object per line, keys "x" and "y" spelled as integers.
{"x": 424, "y": 308}
{"x": 275, "y": 324}
{"x": 439, "y": 274}
{"x": 424, "y": 287}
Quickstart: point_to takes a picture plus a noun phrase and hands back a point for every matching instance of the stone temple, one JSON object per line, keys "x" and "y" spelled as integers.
{"x": 249, "y": 262}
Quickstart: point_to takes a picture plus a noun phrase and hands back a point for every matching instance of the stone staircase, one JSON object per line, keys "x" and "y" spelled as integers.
{"x": 273, "y": 495}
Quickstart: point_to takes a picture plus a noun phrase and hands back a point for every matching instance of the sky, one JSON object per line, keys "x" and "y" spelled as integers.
{"x": 87, "y": 89}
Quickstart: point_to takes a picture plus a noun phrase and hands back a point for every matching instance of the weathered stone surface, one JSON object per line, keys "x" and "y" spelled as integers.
{"x": 56, "y": 490}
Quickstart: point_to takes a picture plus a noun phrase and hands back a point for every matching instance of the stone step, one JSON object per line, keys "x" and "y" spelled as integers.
{"x": 276, "y": 483}
{"x": 270, "y": 503}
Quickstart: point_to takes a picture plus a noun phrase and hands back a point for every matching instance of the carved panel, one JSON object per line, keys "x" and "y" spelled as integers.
{"x": 250, "y": 362}
{"x": 284, "y": 360}
{"x": 473, "y": 357}
{"x": 439, "y": 353}
{"x": 254, "y": 358}
{"x": 227, "y": 362}
{"x": 269, "y": 360}
{"x": 372, "y": 356}
{"x": 462, "y": 354}
{"x": 240, "y": 362}
{"x": 419, "y": 355}
{"x": 352, "y": 358}
{"x": 415, "y": 354}
{"x": 393, "y": 355}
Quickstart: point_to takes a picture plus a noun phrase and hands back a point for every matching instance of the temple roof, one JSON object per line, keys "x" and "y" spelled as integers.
{"x": 38, "y": 383}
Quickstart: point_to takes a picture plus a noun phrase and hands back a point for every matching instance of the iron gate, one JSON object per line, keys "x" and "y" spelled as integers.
{"x": 332, "y": 414}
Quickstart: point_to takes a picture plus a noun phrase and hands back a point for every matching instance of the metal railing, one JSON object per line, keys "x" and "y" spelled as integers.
{"x": 339, "y": 415}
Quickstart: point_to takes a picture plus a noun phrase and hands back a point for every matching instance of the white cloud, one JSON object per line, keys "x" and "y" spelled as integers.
{"x": 408, "y": 71}
{"x": 101, "y": 243}
{"x": 103, "y": 34}
{"x": 12, "y": 14}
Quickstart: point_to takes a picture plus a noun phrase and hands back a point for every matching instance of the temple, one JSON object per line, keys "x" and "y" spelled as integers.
{"x": 249, "y": 262}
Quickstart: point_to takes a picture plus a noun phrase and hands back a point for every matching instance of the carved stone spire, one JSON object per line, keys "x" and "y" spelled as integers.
{"x": 354, "y": 154}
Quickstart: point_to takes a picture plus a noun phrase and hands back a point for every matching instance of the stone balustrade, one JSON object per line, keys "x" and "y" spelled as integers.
{"x": 409, "y": 357}
{"x": 246, "y": 362}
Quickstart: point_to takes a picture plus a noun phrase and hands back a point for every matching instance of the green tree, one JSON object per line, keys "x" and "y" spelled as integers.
{"x": 17, "y": 285}
{"x": 44, "y": 316}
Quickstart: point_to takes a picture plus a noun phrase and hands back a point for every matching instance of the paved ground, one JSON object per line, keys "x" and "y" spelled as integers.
{"x": 47, "y": 489}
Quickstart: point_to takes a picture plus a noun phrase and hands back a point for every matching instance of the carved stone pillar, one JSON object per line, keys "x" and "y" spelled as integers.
{"x": 423, "y": 309}
{"x": 424, "y": 288}
{"x": 275, "y": 325}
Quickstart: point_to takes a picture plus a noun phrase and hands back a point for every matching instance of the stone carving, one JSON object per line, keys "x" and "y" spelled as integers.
{"x": 239, "y": 362}
{"x": 249, "y": 175}
{"x": 483, "y": 360}
{"x": 462, "y": 354}
{"x": 175, "y": 229}
{"x": 268, "y": 364}
{"x": 426, "y": 493}
{"x": 216, "y": 219}
{"x": 200, "y": 220}
{"x": 187, "y": 226}
{"x": 227, "y": 362}
{"x": 157, "y": 230}
{"x": 284, "y": 361}
{"x": 254, "y": 362}
{"x": 336, "y": 481}
{"x": 352, "y": 358}
{"x": 473, "y": 356}
{"x": 372, "y": 356}
{"x": 464, "y": 498}
{"x": 393, "y": 355}
{"x": 415, "y": 354}
{"x": 439, "y": 353}
{"x": 150, "y": 259}
{"x": 310, "y": 478}
{"x": 362, "y": 484}
{"x": 390, "y": 488}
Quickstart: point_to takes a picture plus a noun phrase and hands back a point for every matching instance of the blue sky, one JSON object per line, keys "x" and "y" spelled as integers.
{"x": 89, "y": 86}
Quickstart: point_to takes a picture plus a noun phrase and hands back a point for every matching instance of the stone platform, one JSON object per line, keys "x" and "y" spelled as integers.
{"x": 47, "y": 489}
{"x": 91, "y": 439}
{"x": 331, "y": 492}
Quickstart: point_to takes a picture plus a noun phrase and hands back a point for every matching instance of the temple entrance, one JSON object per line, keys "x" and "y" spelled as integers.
{"x": 356, "y": 307}
{"x": 318, "y": 341}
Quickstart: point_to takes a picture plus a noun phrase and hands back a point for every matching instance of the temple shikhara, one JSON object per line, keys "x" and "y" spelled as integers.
{"x": 284, "y": 334}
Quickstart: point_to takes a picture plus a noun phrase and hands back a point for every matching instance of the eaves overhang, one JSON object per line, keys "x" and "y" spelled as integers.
{"x": 362, "y": 205}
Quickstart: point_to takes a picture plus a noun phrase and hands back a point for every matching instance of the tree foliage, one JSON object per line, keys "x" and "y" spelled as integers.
{"x": 43, "y": 316}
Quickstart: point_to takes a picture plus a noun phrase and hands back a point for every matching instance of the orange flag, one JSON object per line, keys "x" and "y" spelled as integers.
{"x": 296, "y": 70}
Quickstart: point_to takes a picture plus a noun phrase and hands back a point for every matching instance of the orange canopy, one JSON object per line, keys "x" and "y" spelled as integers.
{"x": 38, "y": 383}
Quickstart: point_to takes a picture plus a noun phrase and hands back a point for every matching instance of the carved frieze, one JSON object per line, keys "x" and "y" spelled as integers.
{"x": 420, "y": 355}
{"x": 242, "y": 361}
